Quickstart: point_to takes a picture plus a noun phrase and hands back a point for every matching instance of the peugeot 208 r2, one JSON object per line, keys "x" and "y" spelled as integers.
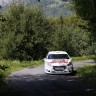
{"x": 58, "y": 62}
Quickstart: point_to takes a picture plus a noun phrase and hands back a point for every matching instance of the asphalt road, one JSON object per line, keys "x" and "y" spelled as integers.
{"x": 34, "y": 82}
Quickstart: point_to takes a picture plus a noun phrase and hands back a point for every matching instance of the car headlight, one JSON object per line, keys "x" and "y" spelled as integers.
{"x": 48, "y": 63}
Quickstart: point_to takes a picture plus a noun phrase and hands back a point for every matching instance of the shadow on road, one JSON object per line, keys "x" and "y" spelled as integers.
{"x": 50, "y": 85}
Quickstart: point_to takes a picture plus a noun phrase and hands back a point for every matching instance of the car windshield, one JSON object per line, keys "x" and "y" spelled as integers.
{"x": 58, "y": 56}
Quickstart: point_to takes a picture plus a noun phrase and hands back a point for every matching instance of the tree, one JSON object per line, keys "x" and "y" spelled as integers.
{"x": 71, "y": 37}
{"x": 25, "y": 35}
{"x": 86, "y": 9}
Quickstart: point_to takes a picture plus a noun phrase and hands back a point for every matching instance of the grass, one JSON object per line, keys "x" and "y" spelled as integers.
{"x": 6, "y": 67}
{"x": 87, "y": 73}
{"x": 84, "y": 58}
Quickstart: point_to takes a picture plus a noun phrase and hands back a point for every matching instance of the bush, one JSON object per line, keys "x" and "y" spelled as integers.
{"x": 71, "y": 36}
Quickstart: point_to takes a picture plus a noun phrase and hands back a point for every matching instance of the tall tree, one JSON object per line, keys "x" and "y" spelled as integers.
{"x": 86, "y": 9}
{"x": 25, "y": 34}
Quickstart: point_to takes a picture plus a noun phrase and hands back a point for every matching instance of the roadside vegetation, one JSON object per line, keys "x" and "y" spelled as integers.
{"x": 84, "y": 58}
{"x": 8, "y": 66}
{"x": 87, "y": 73}
{"x": 82, "y": 9}
{"x": 27, "y": 34}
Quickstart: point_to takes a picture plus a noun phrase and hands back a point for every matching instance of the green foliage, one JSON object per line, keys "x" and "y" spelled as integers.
{"x": 25, "y": 33}
{"x": 84, "y": 58}
{"x": 87, "y": 73}
{"x": 71, "y": 36}
{"x": 86, "y": 8}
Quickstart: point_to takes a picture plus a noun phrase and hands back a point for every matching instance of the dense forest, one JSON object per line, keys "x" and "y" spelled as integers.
{"x": 26, "y": 33}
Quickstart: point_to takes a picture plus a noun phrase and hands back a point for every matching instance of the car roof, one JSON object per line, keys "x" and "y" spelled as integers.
{"x": 57, "y": 52}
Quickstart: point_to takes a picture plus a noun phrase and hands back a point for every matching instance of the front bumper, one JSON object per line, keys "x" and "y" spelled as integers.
{"x": 58, "y": 69}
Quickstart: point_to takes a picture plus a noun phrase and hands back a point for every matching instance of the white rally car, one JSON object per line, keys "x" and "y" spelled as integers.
{"x": 58, "y": 62}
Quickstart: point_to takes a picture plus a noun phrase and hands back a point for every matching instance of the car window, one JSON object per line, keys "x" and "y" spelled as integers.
{"x": 58, "y": 56}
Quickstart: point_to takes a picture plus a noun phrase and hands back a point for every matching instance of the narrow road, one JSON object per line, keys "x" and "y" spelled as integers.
{"x": 34, "y": 82}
